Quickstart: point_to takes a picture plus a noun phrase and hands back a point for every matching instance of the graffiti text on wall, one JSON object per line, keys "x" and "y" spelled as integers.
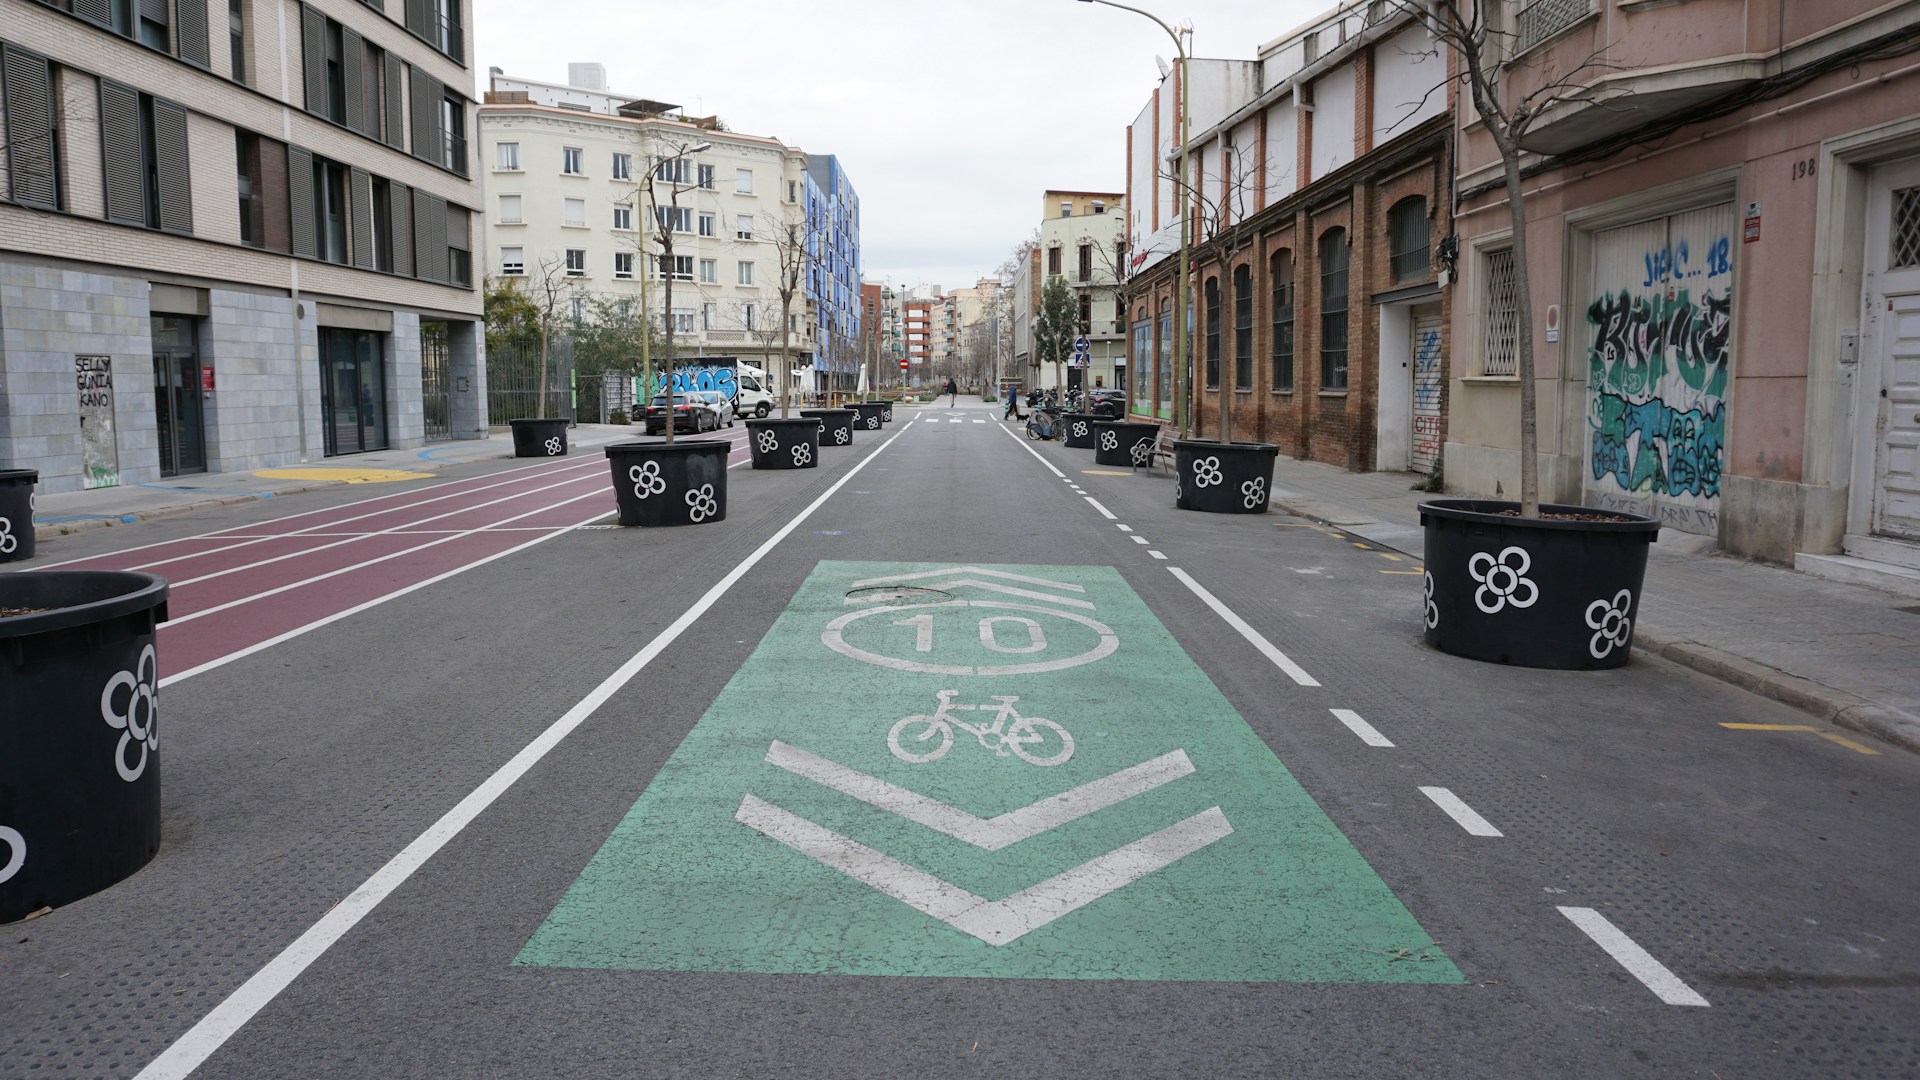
{"x": 1426, "y": 398}
{"x": 716, "y": 377}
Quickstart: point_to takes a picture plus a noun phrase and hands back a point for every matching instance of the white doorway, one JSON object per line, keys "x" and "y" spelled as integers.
{"x": 1892, "y": 345}
{"x": 1407, "y": 420}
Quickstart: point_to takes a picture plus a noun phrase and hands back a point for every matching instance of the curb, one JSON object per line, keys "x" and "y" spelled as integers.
{"x": 1823, "y": 702}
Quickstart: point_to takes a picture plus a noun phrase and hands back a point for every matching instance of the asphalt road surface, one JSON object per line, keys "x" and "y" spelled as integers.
{"x": 955, "y": 756}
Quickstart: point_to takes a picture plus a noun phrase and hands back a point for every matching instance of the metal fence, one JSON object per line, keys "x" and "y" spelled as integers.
{"x": 513, "y": 379}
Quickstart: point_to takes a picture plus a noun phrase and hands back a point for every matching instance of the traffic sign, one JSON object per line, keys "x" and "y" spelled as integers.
{"x": 1082, "y": 353}
{"x": 981, "y": 771}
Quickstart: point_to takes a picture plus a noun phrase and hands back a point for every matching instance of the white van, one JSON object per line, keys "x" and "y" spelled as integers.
{"x": 755, "y": 397}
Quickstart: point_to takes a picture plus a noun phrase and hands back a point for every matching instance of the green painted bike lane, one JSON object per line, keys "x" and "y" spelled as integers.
{"x": 985, "y": 771}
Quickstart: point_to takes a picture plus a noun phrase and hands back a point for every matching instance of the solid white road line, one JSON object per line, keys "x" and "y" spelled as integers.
{"x": 1254, "y": 637}
{"x": 995, "y": 922}
{"x": 1022, "y": 443}
{"x": 1460, "y": 812}
{"x": 1639, "y": 963}
{"x": 191, "y": 1049}
{"x": 1360, "y": 727}
{"x": 989, "y": 834}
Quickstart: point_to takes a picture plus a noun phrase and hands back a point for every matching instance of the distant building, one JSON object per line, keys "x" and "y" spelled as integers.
{"x": 1083, "y": 240}
{"x": 833, "y": 276}
{"x": 233, "y": 237}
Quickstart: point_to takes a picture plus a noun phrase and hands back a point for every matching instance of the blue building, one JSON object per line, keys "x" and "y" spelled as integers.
{"x": 833, "y": 272}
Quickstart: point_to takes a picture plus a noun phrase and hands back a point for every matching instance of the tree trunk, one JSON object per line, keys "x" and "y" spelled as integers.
{"x": 666, "y": 313}
{"x": 540, "y": 391}
{"x": 1523, "y": 331}
{"x": 786, "y": 344}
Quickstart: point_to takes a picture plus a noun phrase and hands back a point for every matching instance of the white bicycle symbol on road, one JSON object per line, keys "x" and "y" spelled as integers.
{"x": 1030, "y": 738}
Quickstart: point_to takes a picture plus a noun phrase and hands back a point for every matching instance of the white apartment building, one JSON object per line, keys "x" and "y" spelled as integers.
{"x": 233, "y": 236}
{"x": 566, "y": 171}
{"x": 1082, "y": 235}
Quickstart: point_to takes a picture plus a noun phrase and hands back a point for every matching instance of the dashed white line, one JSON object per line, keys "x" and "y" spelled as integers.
{"x": 1280, "y": 660}
{"x": 1104, "y": 512}
{"x": 1124, "y": 528}
{"x": 1138, "y": 539}
{"x": 1156, "y": 554}
{"x": 1360, "y": 727}
{"x": 1460, "y": 812}
{"x": 1639, "y": 963}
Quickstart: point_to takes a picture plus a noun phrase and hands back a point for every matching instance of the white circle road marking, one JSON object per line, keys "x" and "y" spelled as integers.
{"x": 834, "y": 638}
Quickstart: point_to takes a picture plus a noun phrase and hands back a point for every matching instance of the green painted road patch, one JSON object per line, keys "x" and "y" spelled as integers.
{"x": 992, "y": 771}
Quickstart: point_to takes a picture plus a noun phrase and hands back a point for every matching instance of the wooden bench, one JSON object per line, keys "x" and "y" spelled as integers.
{"x": 1161, "y": 452}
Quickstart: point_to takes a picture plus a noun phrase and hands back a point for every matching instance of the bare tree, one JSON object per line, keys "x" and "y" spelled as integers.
{"x": 1508, "y": 113}
{"x": 792, "y": 247}
{"x": 550, "y": 289}
{"x": 668, "y": 171}
{"x": 1224, "y": 233}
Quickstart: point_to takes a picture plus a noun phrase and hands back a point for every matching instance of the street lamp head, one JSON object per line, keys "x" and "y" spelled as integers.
{"x": 698, "y": 148}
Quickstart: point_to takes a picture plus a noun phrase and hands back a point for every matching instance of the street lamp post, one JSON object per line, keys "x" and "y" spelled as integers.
{"x": 1182, "y": 386}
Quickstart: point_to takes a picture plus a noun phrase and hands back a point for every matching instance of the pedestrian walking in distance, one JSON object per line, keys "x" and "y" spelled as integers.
{"x": 953, "y": 391}
{"x": 1013, "y": 403}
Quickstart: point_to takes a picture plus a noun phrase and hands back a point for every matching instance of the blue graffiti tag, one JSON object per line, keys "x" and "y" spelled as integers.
{"x": 715, "y": 377}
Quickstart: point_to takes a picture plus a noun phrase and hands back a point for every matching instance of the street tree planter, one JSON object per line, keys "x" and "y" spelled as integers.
{"x": 871, "y": 414}
{"x": 79, "y": 733}
{"x": 539, "y": 438}
{"x": 886, "y": 412}
{"x": 1079, "y": 429}
{"x": 1533, "y": 592}
{"x": 16, "y": 514}
{"x": 836, "y": 425}
{"x": 682, "y": 483}
{"x": 1223, "y": 478}
{"x": 1123, "y": 442}
{"x": 784, "y": 444}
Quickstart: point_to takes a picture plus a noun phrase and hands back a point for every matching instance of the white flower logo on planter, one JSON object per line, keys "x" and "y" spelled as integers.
{"x": 1254, "y": 492}
{"x": 1501, "y": 580}
{"x": 1206, "y": 472}
{"x": 873, "y": 423}
{"x": 1109, "y": 441}
{"x": 16, "y": 852}
{"x": 769, "y": 442}
{"x": 842, "y": 435}
{"x": 701, "y": 504}
{"x": 1079, "y": 429}
{"x": 553, "y": 447}
{"x": 802, "y": 454}
{"x": 1433, "y": 609}
{"x": 139, "y": 719}
{"x": 647, "y": 479}
{"x": 1140, "y": 451}
{"x": 1610, "y": 623}
{"x": 8, "y": 542}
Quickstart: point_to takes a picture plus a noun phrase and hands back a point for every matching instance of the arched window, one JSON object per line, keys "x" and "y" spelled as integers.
{"x": 1280, "y": 279}
{"x": 1242, "y": 327}
{"x": 1410, "y": 237}
{"x": 1333, "y": 310}
{"x": 1213, "y": 333}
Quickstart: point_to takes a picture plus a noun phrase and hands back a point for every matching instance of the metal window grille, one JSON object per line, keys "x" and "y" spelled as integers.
{"x": 1541, "y": 19}
{"x": 1213, "y": 333}
{"x": 1906, "y": 228}
{"x": 1242, "y": 328}
{"x": 1503, "y": 315}
{"x": 1410, "y": 234}
{"x": 1281, "y": 272}
{"x": 1333, "y": 310}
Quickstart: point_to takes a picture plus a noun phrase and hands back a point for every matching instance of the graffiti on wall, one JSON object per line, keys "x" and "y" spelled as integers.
{"x": 1656, "y": 387}
{"x": 702, "y": 377}
{"x": 1427, "y": 385}
{"x": 99, "y": 446}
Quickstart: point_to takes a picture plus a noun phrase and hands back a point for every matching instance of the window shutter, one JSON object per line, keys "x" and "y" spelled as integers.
{"x": 353, "y": 55}
{"x": 373, "y": 108}
{"x": 420, "y": 17}
{"x": 190, "y": 33}
{"x": 120, "y": 154}
{"x": 171, "y": 168}
{"x": 429, "y": 237}
{"x": 360, "y": 205}
{"x": 300, "y": 202}
{"x": 459, "y": 245}
{"x": 428, "y": 142}
{"x": 400, "y": 224}
{"x": 313, "y": 58}
{"x": 273, "y": 196}
{"x": 29, "y": 132}
{"x": 97, "y": 12}
{"x": 154, "y": 11}
{"x": 396, "y": 103}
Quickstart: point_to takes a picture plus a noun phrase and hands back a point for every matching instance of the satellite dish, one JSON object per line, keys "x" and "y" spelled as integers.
{"x": 1166, "y": 69}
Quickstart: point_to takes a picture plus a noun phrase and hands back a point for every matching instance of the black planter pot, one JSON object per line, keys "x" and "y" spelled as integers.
{"x": 870, "y": 414}
{"x": 539, "y": 438}
{"x": 1223, "y": 478}
{"x": 784, "y": 444}
{"x": 680, "y": 484}
{"x": 836, "y": 425}
{"x": 16, "y": 514}
{"x": 1122, "y": 442}
{"x": 79, "y": 734}
{"x": 1079, "y": 429}
{"x": 886, "y": 412}
{"x": 1534, "y": 592}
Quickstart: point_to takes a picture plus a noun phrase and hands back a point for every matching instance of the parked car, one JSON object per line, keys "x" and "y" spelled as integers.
{"x": 688, "y": 414}
{"x": 724, "y": 412}
{"x": 1107, "y": 402}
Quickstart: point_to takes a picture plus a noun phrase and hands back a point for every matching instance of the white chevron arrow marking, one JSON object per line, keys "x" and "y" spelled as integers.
{"x": 995, "y": 922}
{"x": 987, "y": 586}
{"x": 923, "y": 574}
{"x": 994, "y": 833}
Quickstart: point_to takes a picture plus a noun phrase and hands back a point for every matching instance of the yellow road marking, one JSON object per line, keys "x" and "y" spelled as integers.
{"x": 1362, "y": 547}
{"x": 340, "y": 475}
{"x": 1390, "y": 558}
{"x": 1104, "y": 472}
{"x": 1827, "y": 735}
{"x": 1413, "y": 573}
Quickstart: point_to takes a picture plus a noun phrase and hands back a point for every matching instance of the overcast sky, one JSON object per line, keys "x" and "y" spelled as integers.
{"x": 950, "y": 118}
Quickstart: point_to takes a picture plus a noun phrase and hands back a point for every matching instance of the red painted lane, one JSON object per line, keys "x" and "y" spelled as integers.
{"x": 195, "y": 596}
{"x": 190, "y": 644}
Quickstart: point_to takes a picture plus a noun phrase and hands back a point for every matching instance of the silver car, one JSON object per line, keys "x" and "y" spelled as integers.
{"x": 720, "y": 405}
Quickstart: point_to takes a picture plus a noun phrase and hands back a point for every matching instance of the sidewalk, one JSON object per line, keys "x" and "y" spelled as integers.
{"x": 1848, "y": 654}
{"x": 66, "y": 512}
